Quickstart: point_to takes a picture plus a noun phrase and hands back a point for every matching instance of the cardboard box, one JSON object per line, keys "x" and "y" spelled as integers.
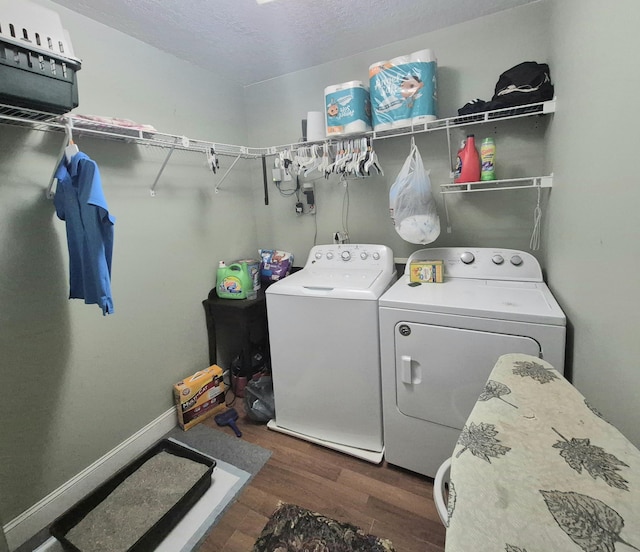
{"x": 199, "y": 396}
{"x": 426, "y": 272}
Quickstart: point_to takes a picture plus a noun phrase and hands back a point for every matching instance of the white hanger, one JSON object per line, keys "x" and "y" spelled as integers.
{"x": 71, "y": 149}
{"x": 68, "y": 150}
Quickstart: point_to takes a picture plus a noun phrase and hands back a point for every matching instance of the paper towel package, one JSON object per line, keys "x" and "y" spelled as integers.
{"x": 347, "y": 108}
{"x": 403, "y": 91}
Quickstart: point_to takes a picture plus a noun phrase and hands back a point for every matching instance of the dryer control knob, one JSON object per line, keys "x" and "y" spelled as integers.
{"x": 497, "y": 259}
{"x": 318, "y": 255}
{"x": 376, "y": 256}
{"x": 345, "y": 255}
{"x": 329, "y": 255}
{"x": 364, "y": 255}
{"x": 516, "y": 260}
{"x": 467, "y": 257}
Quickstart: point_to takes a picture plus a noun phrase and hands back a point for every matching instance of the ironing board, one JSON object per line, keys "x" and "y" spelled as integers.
{"x": 537, "y": 469}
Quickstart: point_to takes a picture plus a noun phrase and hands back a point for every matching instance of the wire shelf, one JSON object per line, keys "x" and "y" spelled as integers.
{"x": 542, "y": 108}
{"x": 29, "y": 118}
{"x": 493, "y": 185}
{"x": 47, "y": 121}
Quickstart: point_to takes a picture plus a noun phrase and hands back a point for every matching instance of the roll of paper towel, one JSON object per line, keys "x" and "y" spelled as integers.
{"x": 348, "y": 108}
{"x": 403, "y": 90}
{"x": 315, "y": 126}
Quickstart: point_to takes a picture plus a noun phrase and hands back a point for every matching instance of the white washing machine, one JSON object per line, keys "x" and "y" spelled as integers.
{"x": 440, "y": 341}
{"x": 324, "y": 341}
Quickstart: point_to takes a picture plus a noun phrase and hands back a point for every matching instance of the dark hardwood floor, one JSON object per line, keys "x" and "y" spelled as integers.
{"x": 383, "y": 500}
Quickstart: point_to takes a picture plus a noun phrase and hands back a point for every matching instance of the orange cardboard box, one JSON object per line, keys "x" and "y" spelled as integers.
{"x": 199, "y": 396}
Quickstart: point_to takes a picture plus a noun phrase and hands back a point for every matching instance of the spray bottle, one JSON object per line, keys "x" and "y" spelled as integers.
{"x": 488, "y": 159}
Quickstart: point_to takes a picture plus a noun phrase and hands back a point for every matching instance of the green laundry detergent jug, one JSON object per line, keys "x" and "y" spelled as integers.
{"x": 233, "y": 281}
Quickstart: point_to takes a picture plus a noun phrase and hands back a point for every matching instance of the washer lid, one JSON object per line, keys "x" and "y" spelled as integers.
{"x": 496, "y": 299}
{"x": 351, "y": 283}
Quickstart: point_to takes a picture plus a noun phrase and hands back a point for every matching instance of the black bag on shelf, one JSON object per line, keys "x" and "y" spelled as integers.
{"x": 526, "y": 83}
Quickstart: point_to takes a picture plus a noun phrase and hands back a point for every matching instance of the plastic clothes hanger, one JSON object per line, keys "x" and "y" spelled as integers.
{"x": 71, "y": 148}
{"x": 212, "y": 159}
{"x": 66, "y": 153}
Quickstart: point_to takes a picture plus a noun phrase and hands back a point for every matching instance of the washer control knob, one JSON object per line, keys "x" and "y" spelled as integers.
{"x": 467, "y": 257}
{"x": 497, "y": 259}
{"x": 345, "y": 255}
{"x": 516, "y": 260}
{"x": 376, "y": 256}
{"x": 329, "y": 255}
{"x": 318, "y": 255}
{"x": 364, "y": 255}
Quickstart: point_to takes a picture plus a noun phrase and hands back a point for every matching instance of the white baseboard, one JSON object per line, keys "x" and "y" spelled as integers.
{"x": 44, "y": 512}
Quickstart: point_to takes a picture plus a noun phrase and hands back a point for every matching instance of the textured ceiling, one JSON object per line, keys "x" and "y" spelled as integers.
{"x": 251, "y": 43}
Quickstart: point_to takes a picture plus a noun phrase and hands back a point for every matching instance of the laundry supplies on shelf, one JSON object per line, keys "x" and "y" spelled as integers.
{"x": 253, "y": 269}
{"x": 403, "y": 91}
{"x": 274, "y": 264}
{"x": 467, "y": 162}
{"x": 488, "y": 159}
{"x": 233, "y": 281}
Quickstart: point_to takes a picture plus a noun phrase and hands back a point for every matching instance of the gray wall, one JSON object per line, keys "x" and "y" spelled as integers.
{"x": 80, "y": 384}
{"x": 76, "y": 383}
{"x": 470, "y": 58}
{"x": 593, "y": 226}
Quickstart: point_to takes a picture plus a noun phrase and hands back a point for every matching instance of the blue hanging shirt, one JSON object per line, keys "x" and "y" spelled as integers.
{"x": 80, "y": 202}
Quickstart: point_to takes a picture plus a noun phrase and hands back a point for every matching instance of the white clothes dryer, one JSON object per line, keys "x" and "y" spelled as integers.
{"x": 324, "y": 342}
{"x": 440, "y": 341}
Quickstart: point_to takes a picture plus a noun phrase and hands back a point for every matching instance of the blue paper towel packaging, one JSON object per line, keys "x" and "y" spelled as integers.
{"x": 403, "y": 91}
{"x": 347, "y": 108}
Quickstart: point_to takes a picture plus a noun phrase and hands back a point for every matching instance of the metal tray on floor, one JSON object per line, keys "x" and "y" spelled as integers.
{"x": 163, "y": 526}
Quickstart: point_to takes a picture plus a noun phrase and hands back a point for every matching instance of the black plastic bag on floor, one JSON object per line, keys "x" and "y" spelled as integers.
{"x": 258, "y": 400}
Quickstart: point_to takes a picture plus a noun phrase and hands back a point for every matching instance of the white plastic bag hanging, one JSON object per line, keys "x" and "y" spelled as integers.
{"x": 411, "y": 203}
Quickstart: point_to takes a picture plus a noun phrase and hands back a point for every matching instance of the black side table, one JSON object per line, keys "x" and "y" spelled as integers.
{"x": 236, "y": 327}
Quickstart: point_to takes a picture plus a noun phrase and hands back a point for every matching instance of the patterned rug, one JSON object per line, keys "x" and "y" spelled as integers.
{"x": 294, "y": 529}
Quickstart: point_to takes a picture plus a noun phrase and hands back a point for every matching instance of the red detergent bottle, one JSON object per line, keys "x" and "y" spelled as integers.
{"x": 468, "y": 162}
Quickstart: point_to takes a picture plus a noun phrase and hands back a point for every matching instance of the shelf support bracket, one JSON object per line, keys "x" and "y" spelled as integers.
{"x": 449, "y": 146}
{"x": 164, "y": 164}
{"x": 228, "y": 171}
{"x": 545, "y": 181}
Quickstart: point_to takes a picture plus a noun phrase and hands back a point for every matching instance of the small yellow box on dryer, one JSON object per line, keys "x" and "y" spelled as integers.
{"x": 426, "y": 272}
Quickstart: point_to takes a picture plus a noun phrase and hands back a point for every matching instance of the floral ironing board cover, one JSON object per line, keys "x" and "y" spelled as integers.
{"x": 537, "y": 469}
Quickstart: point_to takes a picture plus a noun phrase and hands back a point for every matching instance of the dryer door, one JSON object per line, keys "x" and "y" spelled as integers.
{"x": 441, "y": 371}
